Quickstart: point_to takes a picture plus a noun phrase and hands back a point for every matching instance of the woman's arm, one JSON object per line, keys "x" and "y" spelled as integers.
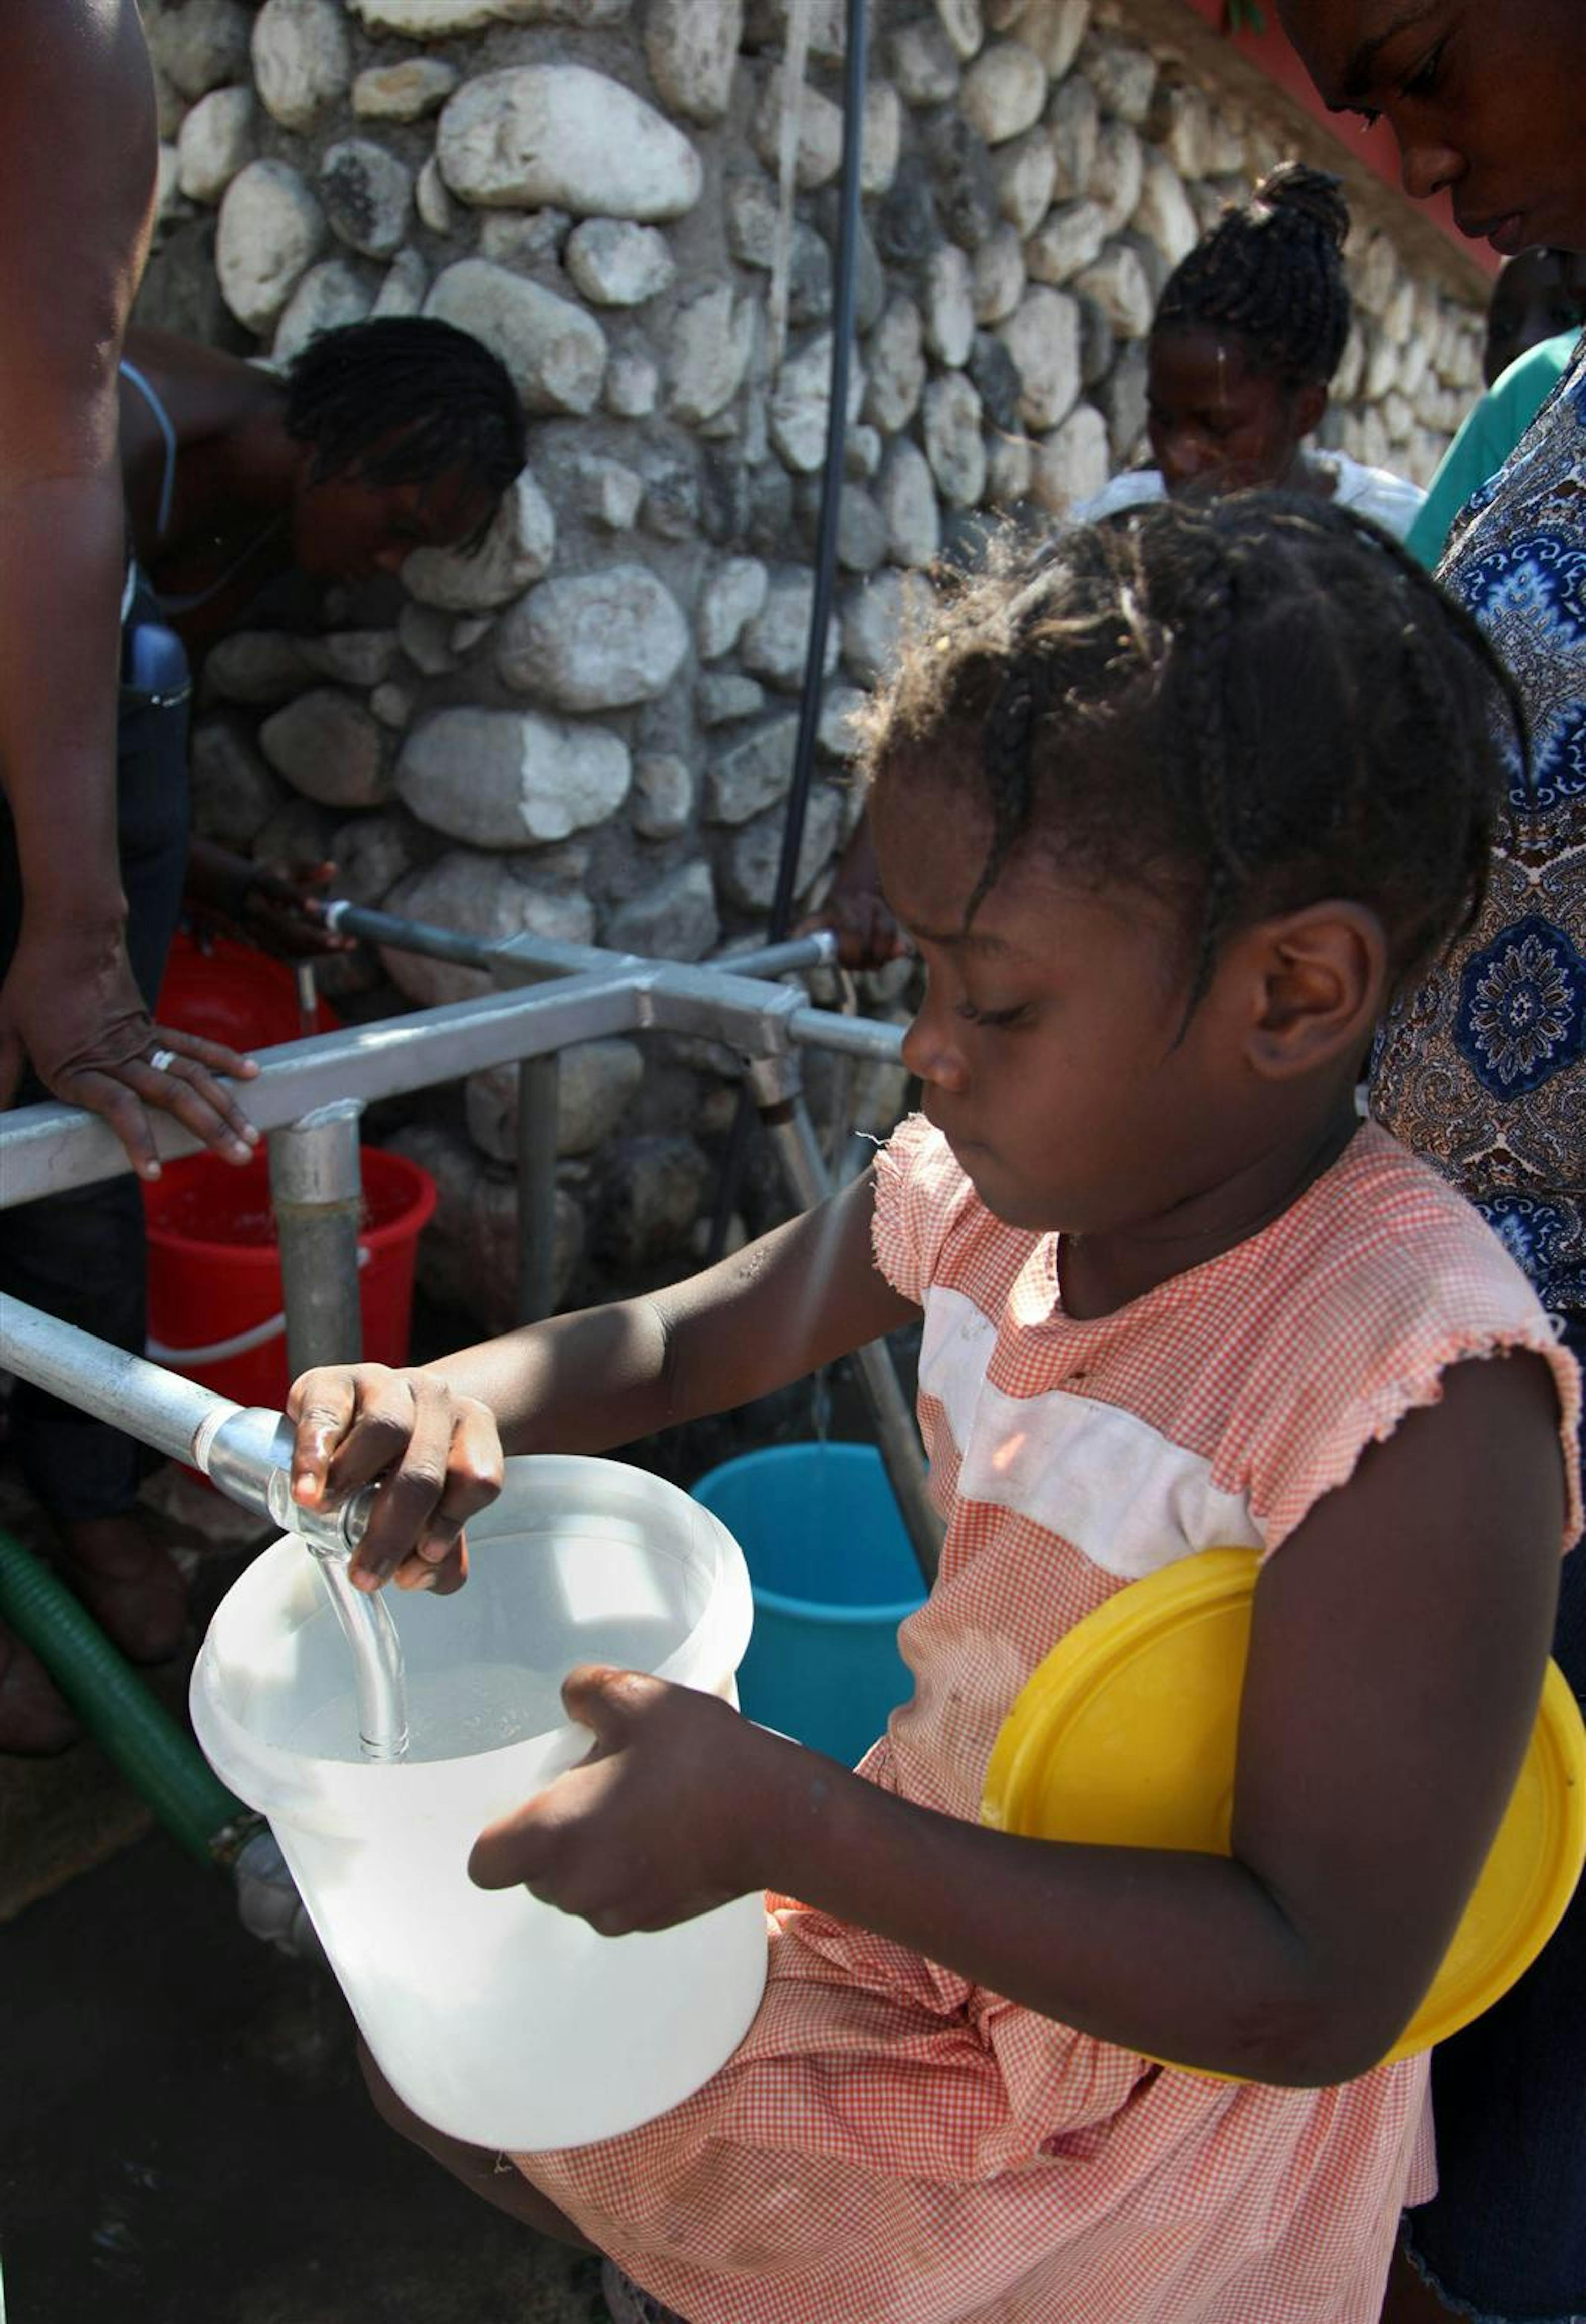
{"x": 74, "y": 81}
{"x": 1396, "y": 1655}
{"x": 78, "y": 146}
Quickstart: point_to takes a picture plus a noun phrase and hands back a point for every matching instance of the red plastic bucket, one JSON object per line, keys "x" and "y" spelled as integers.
{"x": 215, "y": 1270}
{"x": 233, "y": 993}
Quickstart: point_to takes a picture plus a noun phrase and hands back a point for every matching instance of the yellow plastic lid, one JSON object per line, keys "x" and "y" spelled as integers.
{"x": 1126, "y": 1736}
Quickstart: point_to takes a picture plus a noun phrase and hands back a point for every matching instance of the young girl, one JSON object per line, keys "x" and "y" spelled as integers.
{"x": 1166, "y": 819}
{"x": 1250, "y": 328}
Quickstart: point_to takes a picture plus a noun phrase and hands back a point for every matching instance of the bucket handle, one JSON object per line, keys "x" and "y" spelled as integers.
{"x": 241, "y": 1343}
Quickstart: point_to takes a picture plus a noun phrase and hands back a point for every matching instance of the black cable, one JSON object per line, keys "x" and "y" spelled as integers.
{"x": 825, "y": 571}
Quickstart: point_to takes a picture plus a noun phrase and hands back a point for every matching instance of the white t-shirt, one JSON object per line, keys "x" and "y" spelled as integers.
{"x": 1389, "y": 500}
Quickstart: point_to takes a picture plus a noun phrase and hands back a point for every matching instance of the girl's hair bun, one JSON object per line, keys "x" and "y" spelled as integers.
{"x": 1313, "y": 194}
{"x": 1272, "y": 270}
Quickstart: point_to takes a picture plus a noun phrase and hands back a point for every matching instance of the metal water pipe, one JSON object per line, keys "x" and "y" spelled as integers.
{"x": 775, "y": 1085}
{"x": 812, "y": 689}
{"x": 317, "y": 1193}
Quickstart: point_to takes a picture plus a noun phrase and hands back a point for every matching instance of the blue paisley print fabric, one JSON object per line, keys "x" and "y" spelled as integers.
{"x": 1482, "y": 1069}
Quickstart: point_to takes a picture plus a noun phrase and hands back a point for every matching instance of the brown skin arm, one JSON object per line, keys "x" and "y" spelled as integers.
{"x": 1398, "y": 1651}
{"x": 796, "y": 1299}
{"x": 75, "y": 82}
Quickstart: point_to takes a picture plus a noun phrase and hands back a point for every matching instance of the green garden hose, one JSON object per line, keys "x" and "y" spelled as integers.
{"x": 124, "y": 1717}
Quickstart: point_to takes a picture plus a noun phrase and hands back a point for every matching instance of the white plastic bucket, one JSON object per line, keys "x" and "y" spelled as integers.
{"x": 495, "y": 2017}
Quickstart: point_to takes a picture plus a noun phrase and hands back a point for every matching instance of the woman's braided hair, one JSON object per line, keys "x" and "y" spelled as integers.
{"x": 401, "y": 399}
{"x": 1271, "y": 274}
{"x": 1244, "y": 709}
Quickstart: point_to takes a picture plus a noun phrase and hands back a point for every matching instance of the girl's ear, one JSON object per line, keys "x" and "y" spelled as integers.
{"x": 1317, "y": 980}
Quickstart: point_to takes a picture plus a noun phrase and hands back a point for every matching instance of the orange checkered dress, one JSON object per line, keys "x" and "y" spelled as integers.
{"x": 893, "y": 2144}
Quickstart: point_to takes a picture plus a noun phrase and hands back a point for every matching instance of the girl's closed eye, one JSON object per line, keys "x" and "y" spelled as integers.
{"x": 996, "y": 1018}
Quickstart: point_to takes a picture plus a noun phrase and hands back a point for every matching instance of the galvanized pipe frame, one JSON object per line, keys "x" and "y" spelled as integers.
{"x": 309, "y": 1093}
{"x": 316, "y": 1193}
{"x": 46, "y": 1149}
{"x": 535, "y": 1136}
{"x": 774, "y": 1085}
{"x": 243, "y": 1449}
{"x": 531, "y": 960}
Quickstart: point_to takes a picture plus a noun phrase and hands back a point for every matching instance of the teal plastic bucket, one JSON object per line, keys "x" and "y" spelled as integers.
{"x": 834, "y": 1573}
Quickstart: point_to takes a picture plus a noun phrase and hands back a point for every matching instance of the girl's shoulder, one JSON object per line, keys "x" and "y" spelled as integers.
{"x": 930, "y": 1226}
{"x": 1387, "y": 1253}
{"x": 1360, "y": 1300}
{"x": 1135, "y": 488}
{"x": 1392, "y": 502}
{"x": 1382, "y": 1203}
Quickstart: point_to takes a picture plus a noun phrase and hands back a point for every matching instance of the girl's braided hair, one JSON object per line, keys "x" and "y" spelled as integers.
{"x": 1245, "y": 708}
{"x": 1271, "y": 273}
{"x": 401, "y": 399}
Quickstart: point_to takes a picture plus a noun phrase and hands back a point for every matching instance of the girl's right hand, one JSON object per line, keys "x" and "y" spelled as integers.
{"x": 435, "y": 1454}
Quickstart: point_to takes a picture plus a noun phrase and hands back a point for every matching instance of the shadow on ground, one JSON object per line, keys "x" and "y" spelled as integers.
{"x": 187, "y": 2139}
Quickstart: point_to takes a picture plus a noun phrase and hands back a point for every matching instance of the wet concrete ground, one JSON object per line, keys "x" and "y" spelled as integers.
{"x": 185, "y": 2139}
{"x": 184, "y": 2134}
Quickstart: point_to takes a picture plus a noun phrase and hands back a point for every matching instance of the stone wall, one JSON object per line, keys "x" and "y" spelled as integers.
{"x": 587, "y": 731}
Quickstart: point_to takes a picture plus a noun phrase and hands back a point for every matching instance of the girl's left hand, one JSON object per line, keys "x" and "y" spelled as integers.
{"x": 666, "y": 1819}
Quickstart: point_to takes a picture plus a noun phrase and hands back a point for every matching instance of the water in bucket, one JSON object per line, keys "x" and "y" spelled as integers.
{"x": 215, "y": 1301}
{"x": 495, "y": 2017}
{"x": 450, "y": 1715}
{"x": 234, "y": 993}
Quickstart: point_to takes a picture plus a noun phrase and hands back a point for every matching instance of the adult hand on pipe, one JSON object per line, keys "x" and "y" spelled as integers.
{"x": 283, "y": 909}
{"x": 855, "y": 910}
{"x": 70, "y": 1008}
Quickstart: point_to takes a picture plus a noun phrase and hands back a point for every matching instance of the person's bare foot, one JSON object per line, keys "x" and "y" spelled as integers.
{"x": 34, "y": 1720}
{"x": 128, "y": 1582}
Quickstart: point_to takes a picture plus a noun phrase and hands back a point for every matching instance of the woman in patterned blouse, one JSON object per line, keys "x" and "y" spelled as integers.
{"x": 1480, "y": 1070}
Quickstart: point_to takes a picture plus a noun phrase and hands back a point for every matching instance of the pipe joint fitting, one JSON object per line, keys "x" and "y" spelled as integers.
{"x": 314, "y": 1162}
{"x": 774, "y": 1081}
